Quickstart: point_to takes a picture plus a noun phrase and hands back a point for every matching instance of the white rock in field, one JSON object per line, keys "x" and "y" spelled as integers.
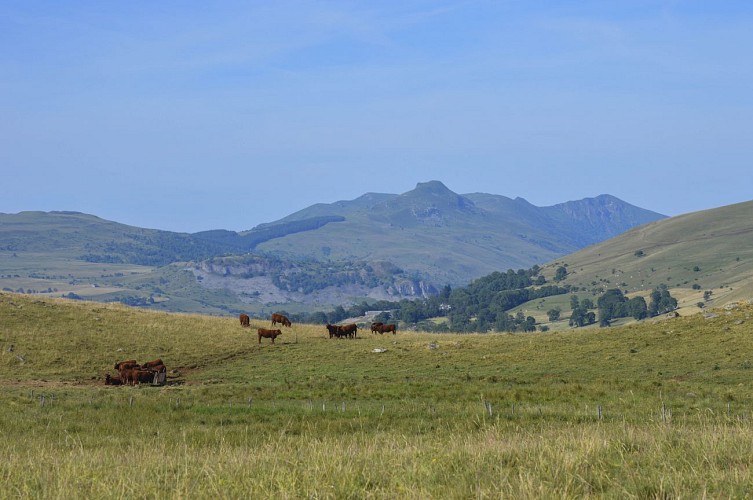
{"x": 378, "y": 349}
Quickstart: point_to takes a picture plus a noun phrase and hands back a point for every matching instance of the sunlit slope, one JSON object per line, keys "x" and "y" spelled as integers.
{"x": 452, "y": 238}
{"x": 58, "y": 342}
{"x": 711, "y": 249}
{"x": 655, "y": 410}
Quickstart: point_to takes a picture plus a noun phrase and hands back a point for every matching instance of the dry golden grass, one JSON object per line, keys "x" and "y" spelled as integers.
{"x": 314, "y": 417}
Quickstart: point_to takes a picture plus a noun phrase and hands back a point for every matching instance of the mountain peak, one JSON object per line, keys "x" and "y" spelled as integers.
{"x": 433, "y": 187}
{"x": 438, "y": 196}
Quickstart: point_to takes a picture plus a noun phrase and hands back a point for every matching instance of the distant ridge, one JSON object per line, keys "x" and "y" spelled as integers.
{"x": 451, "y": 238}
{"x": 375, "y": 246}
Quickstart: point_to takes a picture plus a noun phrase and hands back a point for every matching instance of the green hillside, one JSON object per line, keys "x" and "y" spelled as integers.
{"x": 452, "y": 238}
{"x": 89, "y": 238}
{"x": 658, "y": 410}
{"x": 692, "y": 254}
{"x": 375, "y": 247}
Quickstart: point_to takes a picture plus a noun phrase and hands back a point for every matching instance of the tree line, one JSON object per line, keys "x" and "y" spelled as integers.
{"x": 485, "y": 304}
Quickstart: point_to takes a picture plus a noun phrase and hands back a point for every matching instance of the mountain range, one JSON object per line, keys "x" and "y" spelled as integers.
{"x": 450, "y": 238}
{"x": 376, "y": 245}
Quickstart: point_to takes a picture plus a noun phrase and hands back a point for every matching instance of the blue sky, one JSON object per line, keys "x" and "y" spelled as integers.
{"x": 190, "y": 116}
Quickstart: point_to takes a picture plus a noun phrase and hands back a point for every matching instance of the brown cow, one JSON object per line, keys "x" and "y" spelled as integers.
{"x": 245, "y": 320}
{"x": 387, "y": 328}
{"x": 351, "y": 330}
{"x": 130, "y": 363}
{"x": 335, "y": 331}
{"x": 135, "y": 376}
{"x": 153, "y": 364}
{"x": 143, "y": 376}
{"x": 128, "y": 375}
{"x": 112, "y": 380}
{"x": 279, "y": 318}
{"x": 375, "y": 326}
{"x": 268, "y": 334}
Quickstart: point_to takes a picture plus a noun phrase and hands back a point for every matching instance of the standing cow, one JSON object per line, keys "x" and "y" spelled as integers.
{"x": 387, "y": 328}
{"x": 350, "y": 330}
{"x": 130, "y": 363}
{"x": 245, "y": 320}
{"x": 268, "y": 334}
{"x": 279, "y": 318}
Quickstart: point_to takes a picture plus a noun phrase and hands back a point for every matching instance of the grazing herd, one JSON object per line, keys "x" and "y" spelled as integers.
{"x": 349, "y": 331}
{"x": 130, "y": 372}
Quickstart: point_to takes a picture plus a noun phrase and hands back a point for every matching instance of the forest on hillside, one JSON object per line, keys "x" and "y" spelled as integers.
{"x": 485, "y": 304}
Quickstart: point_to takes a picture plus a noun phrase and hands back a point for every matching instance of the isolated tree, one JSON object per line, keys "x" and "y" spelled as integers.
{"x": 574, "y": 302}
{"x": 560, "y": 274}
{"x": 636, "y": 307}
{"x": 577, "y": 318}
{"x": 530, "y": 324}
{"x": 590, "y": 318}
{"x": 611, "y": 305}
{"x": 554, "y": 314}
{"x": 661, "y": 301}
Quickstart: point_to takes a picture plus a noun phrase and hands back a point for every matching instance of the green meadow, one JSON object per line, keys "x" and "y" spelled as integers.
{"x": 658, "y": 409}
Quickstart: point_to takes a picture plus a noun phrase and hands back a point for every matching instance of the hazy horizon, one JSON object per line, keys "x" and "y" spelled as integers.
{"x": 192, "y": 116}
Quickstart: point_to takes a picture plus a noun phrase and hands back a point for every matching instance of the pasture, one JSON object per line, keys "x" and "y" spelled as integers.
{"x": 652, "y": 410}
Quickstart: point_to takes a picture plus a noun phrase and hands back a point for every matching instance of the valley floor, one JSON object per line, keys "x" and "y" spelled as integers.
{"x": 655, "y": 410}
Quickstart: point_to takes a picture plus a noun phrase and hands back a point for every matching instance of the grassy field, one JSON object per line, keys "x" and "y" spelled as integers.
{"x": 653, "y": 410}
